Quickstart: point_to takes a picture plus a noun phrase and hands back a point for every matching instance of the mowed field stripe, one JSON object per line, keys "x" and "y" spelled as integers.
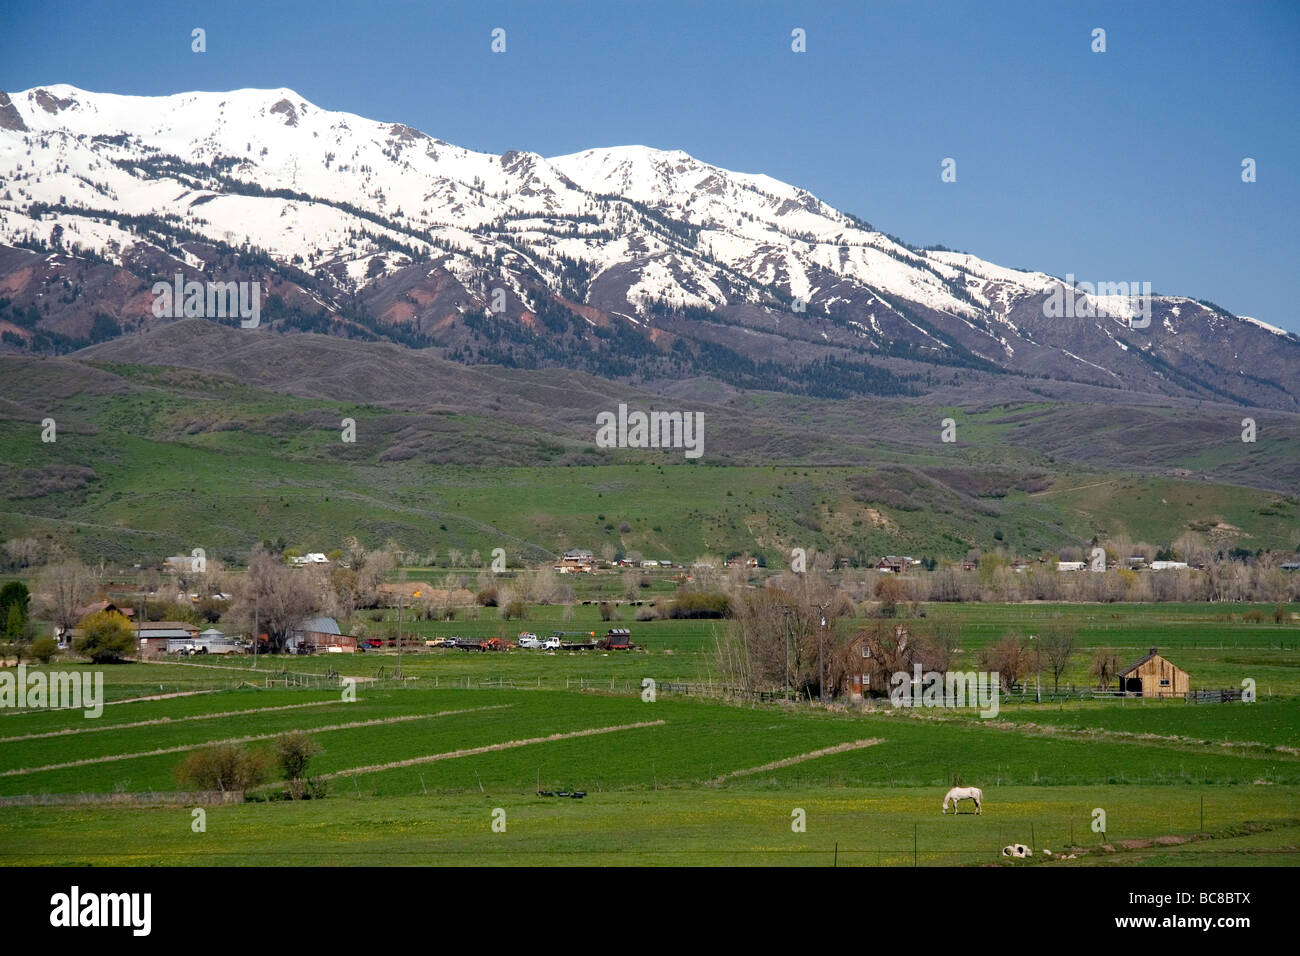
{"x": 1026, "y": 728}
{"x": 799, "y": 758}
{"x": 97, "y": 728}
{"x": 244, "y": 740}
{"x": 489, "y": 748}
{"x": 109, "y": 703}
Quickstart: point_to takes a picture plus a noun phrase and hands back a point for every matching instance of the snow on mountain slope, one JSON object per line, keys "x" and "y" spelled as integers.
{"x": 281, "y": 142}
{"x": 424, "y": 231}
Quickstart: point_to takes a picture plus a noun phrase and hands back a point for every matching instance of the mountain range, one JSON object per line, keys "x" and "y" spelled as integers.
{"x": 644, "y": 266}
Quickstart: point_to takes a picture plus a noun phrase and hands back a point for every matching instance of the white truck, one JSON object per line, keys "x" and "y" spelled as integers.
{"x": 530, "y": 640}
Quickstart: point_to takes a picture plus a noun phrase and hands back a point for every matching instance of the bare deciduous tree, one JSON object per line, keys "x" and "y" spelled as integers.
{"x": 1009, "y": 657}
{"x": 66, "y": 587}
{"x": 1105, "y": 666}
{"x": 1058, "y": 645}
{"x": 280, "y": 597}
{"x": 776, "y": 637}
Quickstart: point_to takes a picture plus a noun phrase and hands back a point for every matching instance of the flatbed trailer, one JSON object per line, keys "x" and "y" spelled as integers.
{"x": 581, "y": 645}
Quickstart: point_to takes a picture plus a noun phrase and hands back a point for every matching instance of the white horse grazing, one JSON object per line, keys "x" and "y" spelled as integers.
{"x": 964, "y": 793}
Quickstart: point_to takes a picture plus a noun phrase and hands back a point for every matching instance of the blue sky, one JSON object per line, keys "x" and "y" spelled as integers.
{"x": 1123, "y": 165}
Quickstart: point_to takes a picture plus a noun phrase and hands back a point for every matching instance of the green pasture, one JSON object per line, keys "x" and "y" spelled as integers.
{"x": 844, "y": 826}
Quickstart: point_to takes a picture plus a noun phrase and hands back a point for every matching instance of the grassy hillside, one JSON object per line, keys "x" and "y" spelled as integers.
{"x": 152, "y": 460}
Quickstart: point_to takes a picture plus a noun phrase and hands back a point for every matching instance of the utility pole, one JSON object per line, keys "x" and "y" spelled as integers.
{"x": 401, "y": 581}
{"x": 255, "y": 634}
{"x": 1038, "y": 670}
{"x": 786, "y": 611}
{"x": 400, "y": 599}
{"x": 821, "y": 656}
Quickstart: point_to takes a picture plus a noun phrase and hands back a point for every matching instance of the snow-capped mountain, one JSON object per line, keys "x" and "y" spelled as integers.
{"x": 627, "y": 261}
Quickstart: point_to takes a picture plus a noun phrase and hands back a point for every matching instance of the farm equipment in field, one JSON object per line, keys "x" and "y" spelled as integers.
{"x": 617, "y": 639}
{"x": 580, "y": 645}
{"x": 475, "y": 644}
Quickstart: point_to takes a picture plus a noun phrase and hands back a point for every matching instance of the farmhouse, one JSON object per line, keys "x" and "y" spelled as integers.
{"x": 1153, "y": 676}
{"x": 155, "y": 635}
{"x": 105, "y": 606}
{"x": 576, "y": 560}
{"x": 895, "y": 564}
{"x": 857, "y": 681}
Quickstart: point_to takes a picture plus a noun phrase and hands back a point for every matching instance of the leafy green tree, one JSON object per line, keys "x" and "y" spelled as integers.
{"x": 294, "y": 751}
{"x": 15, "y": 624}
{"x": 15, "y": 599}
{"x": 105, "y": 638}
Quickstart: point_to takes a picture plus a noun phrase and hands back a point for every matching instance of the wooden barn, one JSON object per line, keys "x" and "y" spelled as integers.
{"x": 1153, "y": 676}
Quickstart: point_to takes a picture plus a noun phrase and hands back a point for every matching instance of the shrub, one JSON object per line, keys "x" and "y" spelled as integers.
{"x": 223, "y": 767}
{"x": 313, "y": 788}
{"x": 696, "y": 604}
{"x": 515, "y": 609}
{"x": 487, "y": 597}
{"x": 43, "y": 648}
